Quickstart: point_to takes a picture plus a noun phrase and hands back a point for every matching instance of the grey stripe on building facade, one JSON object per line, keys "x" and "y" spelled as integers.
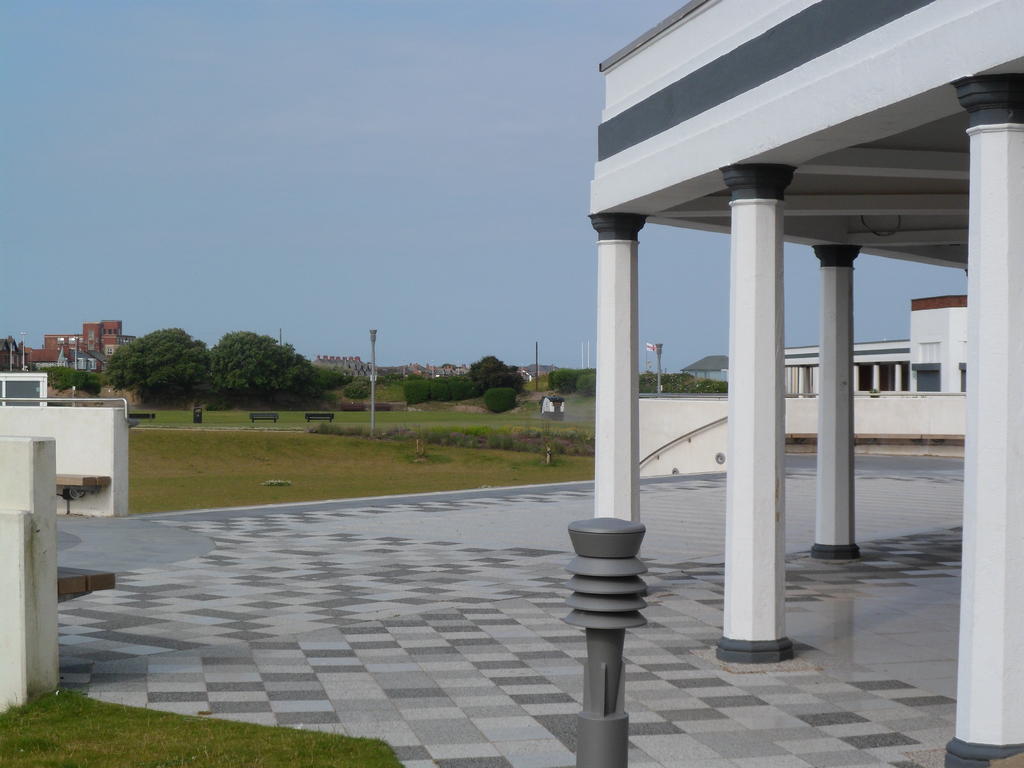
{"x": 813, "y": 32}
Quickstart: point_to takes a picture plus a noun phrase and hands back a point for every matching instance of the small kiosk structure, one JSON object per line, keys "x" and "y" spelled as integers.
{"x": 552, "y": 407}
{"x": 19, "y": 384}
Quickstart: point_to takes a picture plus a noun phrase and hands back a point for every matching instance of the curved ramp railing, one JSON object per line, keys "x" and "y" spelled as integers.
{"x": 687, "y": 436}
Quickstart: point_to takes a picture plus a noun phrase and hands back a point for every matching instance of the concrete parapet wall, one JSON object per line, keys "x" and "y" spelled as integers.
{"x": 912, "y": 414}
{"x": 683, "y": 435}
{"x": 90, "y": 441}
{"x": 29, "y": 664}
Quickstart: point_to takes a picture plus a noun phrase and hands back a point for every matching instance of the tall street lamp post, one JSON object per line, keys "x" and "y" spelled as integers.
{"x": 657, "y": 349}
{"x": 23, "y": 366}
{"x": 373, "y": 379}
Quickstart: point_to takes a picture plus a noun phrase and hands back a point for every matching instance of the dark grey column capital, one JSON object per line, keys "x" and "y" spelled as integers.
{"x": 757, "y": 181}
{"x": 992, "y": 99}
{"x": 617, "y": 226}
{"x": 836, "y": 255}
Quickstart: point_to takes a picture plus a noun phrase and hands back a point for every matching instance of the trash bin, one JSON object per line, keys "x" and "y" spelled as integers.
{"x": 197, "y": 415}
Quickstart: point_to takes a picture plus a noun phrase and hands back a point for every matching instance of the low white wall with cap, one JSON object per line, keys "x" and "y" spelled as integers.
{"x": 29, "y": 663}
{"x": 682, "y": 435}
{"x": 90, "y": 441}
{"x": 685, "y": 435}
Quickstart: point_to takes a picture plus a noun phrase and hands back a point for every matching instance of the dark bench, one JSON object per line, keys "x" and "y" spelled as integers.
{"x": 75, "y": 582}
{"x": 263, "y": 416}
{"x": 135, "y": 415}
{"x": 319, "y": 417}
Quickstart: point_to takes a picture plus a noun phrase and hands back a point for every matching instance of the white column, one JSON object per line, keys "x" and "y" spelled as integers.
{"x": 754, "y": 628}
{"x": 834, "y": 534}
{"x": 990, "y": 703}
{"x": 29, "y": 664}
{"x": 617, "y": 417}
{"x": 876, "y": 377}
{"x": 898, "y": 377}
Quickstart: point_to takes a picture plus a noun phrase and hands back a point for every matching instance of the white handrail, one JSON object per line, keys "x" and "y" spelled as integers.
{"x": 676, "y": 441}
{"x": 72, "y": 400}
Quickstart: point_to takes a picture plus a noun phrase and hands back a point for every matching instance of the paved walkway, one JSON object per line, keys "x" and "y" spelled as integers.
{"x": 433, "y": 622}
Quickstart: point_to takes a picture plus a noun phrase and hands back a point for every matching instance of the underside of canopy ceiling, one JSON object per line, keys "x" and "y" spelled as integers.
{"x": 904, "y": 197}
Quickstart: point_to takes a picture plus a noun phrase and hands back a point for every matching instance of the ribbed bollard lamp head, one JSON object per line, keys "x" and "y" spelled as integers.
{"x": 606, "y": 581}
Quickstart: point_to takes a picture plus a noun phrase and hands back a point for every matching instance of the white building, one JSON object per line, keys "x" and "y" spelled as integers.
{"x": 893, "y": 127}
{"x": 934, "y": 359}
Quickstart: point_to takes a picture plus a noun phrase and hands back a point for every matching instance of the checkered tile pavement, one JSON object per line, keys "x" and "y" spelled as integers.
{"x": 457, "y": 656}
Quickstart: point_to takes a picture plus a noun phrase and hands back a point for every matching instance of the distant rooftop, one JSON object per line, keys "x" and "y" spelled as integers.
{"x": 710, "y": 363}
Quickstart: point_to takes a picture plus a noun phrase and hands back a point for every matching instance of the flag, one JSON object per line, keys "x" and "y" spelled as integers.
{"x": 652, "y": 347}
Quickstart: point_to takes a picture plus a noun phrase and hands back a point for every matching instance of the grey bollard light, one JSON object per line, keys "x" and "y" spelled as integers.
{"x": 606, "y": 601}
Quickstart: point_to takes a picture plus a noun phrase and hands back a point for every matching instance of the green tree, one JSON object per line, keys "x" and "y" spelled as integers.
{"x": 490, "y": 372}
{"x": 246, "y": 365}
{"x": 500, "y": 399}
{"x": 66, "y": 378}
{"x": 163, "y": 365}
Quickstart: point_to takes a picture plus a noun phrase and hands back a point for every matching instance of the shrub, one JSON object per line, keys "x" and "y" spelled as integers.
{"x": 586, "y": 384}
{"x": 563, "y": 380}
{"x": 416, "y": 391}
{"x": 440, "y": 391}
{"x": 462, "y": 388}
{"x": 357, "y": 389}
{"x": 330, "y": 378}
{"x": 500, "y": 399}
{"x": 66, "y": 378}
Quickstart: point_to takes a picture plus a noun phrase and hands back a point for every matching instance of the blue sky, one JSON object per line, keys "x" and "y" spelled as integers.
{"x": 418, "y": 166}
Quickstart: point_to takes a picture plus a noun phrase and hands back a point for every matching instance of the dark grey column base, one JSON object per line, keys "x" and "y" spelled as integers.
{"x": 755, "y": 651}
{"x": 965, "y": 754}
{"x": 835, "y": 551}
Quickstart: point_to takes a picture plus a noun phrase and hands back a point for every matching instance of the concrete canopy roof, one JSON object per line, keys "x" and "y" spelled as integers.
{"x": 855, "y": 96}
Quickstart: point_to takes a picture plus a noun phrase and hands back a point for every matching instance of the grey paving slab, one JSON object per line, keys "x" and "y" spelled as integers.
{"x": 435, "y": 623}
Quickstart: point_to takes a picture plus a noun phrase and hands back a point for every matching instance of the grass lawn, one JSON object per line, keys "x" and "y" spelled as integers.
{"x": 68, "y": 730}
{"x": 175, "y": 469}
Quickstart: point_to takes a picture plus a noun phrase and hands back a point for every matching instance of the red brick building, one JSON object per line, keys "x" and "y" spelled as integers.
{"x": 97, "y": 342}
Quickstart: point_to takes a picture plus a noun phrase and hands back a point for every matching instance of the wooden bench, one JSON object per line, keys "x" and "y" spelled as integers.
{"x": 263, "y": 416}
{"x": 73, "y": 487}
{"x": 137, "y": 415}
{"x": 76, "y": 486}
{"x": 319, "y": 417}
{"x": 75, "y": 582}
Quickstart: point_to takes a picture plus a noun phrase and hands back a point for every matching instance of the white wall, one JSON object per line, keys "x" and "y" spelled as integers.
{"x": 664, "y": 420}
{"x": 29, "y": 664}
{"x": 946, "y": 327}
{"x": 90, "y": 441}
{"x": 907, "y": 415}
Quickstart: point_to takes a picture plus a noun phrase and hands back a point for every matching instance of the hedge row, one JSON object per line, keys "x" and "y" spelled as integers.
{"x": 440, "y": 390}
{"x": 565, "y": 381}
{"x": 681, "y": 382}
{"x": 567, "y": 441}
